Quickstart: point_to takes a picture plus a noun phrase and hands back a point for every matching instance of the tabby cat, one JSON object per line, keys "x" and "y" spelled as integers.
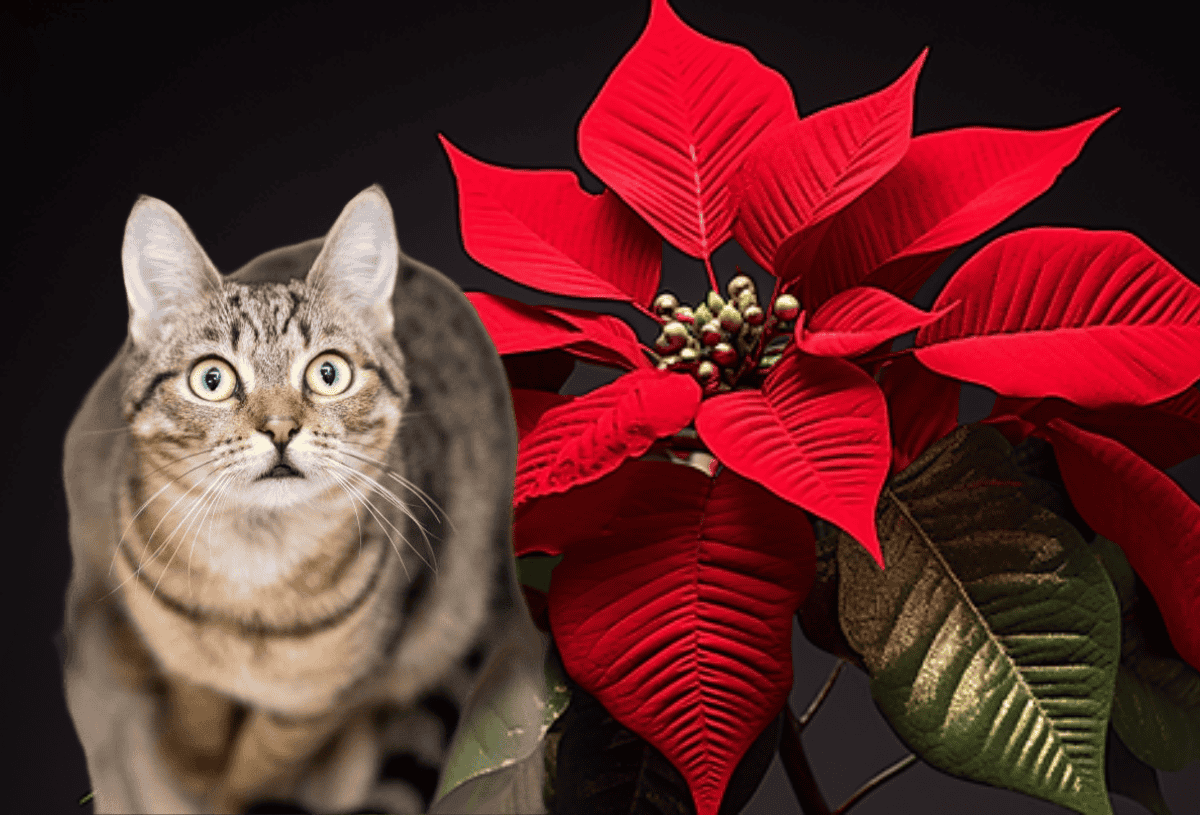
{"x": 289, "y": 501}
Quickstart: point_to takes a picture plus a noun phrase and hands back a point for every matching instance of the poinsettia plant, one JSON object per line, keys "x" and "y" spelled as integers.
{"x": 1012, "y": 605}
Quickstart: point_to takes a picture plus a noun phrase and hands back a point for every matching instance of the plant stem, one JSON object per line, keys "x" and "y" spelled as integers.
{"x": 648, "y": 313}
{"x": 887, "y": 774}
{"x": 822, "y": 694}
{"x": 712, "y": 276}
{"x": 795, "y": 763}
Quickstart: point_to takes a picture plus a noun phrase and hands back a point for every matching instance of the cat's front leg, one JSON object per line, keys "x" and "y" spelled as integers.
{"x": 269, "y": 757}
{"x": 117, "y": 717}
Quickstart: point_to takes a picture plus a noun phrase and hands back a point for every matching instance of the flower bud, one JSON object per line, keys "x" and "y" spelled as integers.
{"x": 754, "y": 315}
{"x": 724, "y": 355}
{"x": 674, "y": 336}
{"x": 715, "y": 303}
{"x": 730, "y": 318}
{"x": 689, "y": 357}
{"x": 668, "y": 362}
{"x": 684, "y": 315}
{"x": 664, "y": 304}
{"x": 706, "y": 371}
{"x": 740, "y": 284}
{"x": 786, "y": 307}
{"x": 710, "y": 333}
{"x": 745, "y": 300}
{"x": 703, "y": 315}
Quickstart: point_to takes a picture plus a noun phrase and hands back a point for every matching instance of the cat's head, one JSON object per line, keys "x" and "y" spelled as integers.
{"x": 268, "y": 393}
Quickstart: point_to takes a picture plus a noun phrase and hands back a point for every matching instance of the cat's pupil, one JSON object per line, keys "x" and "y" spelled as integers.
{"x": 212, "y": 379}
{"x": 328, "y": 373}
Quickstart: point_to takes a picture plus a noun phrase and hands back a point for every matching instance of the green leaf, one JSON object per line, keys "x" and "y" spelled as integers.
{"x": 535, "y": 571}
{"x": 992, "y": 638}
{"x": 1156, "y": 706}
{"x": 519, "y": 695}
{"x": 1131, "y": 778}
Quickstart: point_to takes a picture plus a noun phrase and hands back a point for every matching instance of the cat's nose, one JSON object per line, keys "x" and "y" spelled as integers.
{"x": 280, "y": 429}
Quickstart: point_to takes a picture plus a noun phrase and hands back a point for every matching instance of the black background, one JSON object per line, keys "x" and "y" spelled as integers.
{"x": 258, "y": 124}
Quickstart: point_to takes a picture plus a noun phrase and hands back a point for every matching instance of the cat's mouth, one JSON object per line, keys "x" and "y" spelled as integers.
{"x": 281, "y": 470}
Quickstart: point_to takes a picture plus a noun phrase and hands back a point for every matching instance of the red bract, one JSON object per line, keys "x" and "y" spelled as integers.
{"x": 678, "y": 615}
{"x": 698, "y": 142}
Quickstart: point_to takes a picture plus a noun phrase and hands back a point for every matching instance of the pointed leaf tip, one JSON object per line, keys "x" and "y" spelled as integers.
{"x": 672, "y": 123}
{"x": 797, "y": 177}
{"x": 815, "y": 435}
{"x": 541, "y": 229}
{"x": 1095, "y": 317}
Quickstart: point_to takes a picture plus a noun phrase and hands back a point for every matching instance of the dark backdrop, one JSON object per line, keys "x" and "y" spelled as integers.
{"x": 258, "y": 124}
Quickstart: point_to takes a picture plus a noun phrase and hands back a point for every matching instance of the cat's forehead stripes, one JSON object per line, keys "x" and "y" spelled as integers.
{"x": 266, "y": 313}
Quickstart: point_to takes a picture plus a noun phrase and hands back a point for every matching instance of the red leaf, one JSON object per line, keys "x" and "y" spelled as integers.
{"x": 529, "y": 405}
{"x": 1165, "y": 433}
{"x": 579, "y": 442}
{"x": 678, "y": 615}
{"x": 538, "y": 524}
{"x": 804, "y": 172}
{"x": 1097, "y": 318}
{"x": 1137, "y": 506}
{"x": 922, "y": 408}
{"x": 950, "y": 187}
{"x": 539, "y": 228}
{"x": 604, "y": 334}
{"x": 516, "y": 328}
{"x": 815, "y": 435}
{"x": 672, "y": 123}
{"x": 856, "y": 320}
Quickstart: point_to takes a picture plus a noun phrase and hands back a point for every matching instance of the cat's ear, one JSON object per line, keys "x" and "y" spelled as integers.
{"x": 358, "y": 263}
{"x": 165, "y": 268}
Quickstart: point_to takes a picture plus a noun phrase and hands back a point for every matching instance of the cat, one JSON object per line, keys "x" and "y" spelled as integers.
{"x": 289, "y": 502}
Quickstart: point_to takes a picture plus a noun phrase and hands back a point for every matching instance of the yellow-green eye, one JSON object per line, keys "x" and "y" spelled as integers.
{"x": 328, "y": 374}
{"x": 213, "y": 379}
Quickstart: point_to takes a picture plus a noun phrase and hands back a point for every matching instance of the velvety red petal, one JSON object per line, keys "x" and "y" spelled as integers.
{"x": 1097, "y": 318}
{"x": 815, "y": 435}
{"x": 804, "y": 172}
{"x": 922, "y": 408}
{"x": 539, "y": 228}
{"x": 950, "y": 187}
{"x": 591, "y": 436}
{"x": 672, "y": 123}
{"x": 1156, "y": 524}
{"x": 856, "y": 320}
{"x": 678, "y": 615}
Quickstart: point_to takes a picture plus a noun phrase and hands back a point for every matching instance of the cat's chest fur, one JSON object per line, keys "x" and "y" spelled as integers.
{"x": 282, "y": 611}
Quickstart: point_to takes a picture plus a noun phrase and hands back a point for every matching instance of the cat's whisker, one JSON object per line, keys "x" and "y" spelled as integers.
{"x": 145, "y": 504}
{"x": 190, "y": 516}
{"x": 102, "y": 431}
{"x": 357, "y": 520}
{"x": 391, "y": 498}
{"x": 429, "y": 503}
{"x": 218, "y": 494}
{"x": 142, "y": 559}
{"x": 354, "y": 491}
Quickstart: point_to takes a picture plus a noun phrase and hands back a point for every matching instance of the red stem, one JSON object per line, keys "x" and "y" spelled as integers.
{"x": 712, "y": 276}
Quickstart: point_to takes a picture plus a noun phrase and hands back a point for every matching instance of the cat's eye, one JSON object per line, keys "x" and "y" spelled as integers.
{"x": 328, "y": 375}
{"x": 213, "y": 379}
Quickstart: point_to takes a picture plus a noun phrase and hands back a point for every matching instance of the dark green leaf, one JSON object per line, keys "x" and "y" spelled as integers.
{"x": 1156, "y": 706}
{"x": 1128, "y": 776}
{"x": 602, "y": 768}
{"x": 992, "y": 638}
{"x": 501, "y": 737}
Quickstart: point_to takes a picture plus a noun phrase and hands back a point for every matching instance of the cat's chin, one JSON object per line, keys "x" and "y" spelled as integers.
{"x": 278, "y": 489}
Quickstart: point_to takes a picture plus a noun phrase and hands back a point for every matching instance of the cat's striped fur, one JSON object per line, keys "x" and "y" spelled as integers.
{"x": 275, "y": 588}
